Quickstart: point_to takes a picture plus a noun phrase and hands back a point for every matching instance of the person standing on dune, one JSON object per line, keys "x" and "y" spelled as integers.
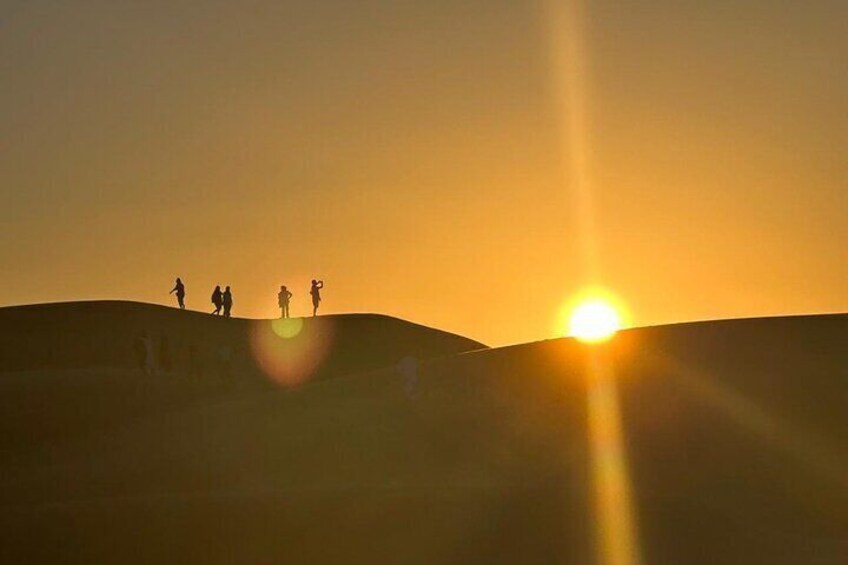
{"x": 315, "y": 291}
{"x": 283, "y": 299}
{"x": 217, "y": 300}
{"x": 179, "y": 288}
{"x": 227, "y": 300}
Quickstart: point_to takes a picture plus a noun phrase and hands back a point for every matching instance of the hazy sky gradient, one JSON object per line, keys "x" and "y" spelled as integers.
{"x": 411, "y": 154}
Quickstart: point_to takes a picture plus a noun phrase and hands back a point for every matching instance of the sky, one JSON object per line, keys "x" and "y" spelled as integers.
{"x": 464, "y": 164}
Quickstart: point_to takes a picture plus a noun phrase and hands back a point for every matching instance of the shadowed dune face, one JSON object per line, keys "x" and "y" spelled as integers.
{"x": 70, "y": 368}
{"x": 735, "y": 435}
{"x": 108, "y": 335}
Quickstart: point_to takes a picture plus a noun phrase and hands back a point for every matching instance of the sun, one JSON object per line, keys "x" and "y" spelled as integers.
{"x": 594, "y": 320}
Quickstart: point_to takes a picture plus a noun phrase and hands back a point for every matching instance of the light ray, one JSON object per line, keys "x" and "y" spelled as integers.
{"x": 570, "y": 64}
{"x": 617, "y": 538}
{"x": 814, "y": 452}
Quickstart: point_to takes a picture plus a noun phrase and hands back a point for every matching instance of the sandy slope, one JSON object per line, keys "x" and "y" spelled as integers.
{"x": 74, "y": 367}
{"x": 737, "y": 434}
{"x": 105, "y": 334}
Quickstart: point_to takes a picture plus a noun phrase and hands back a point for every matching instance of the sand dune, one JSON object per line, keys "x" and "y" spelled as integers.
{"x": 70, "y": 368}
{"x": 736, "y": 434}
{"x": 105, "y": 334}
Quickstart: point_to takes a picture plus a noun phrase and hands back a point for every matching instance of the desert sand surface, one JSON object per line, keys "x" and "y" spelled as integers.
{"x": 71, "y": 367}
{"x": 409, "y": 445}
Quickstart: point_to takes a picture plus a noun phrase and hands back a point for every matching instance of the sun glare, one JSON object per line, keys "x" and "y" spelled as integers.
{"x": 594, "y": 321}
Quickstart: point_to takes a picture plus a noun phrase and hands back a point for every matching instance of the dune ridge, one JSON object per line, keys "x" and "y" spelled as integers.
{"x": 736, "y": 433}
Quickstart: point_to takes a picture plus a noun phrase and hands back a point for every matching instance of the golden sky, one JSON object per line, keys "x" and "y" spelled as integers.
{"x": 420, "y": 156}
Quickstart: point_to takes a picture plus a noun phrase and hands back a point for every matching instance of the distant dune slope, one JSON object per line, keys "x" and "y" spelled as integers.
{"x": 736, "y": 431}
{"x": 106, "y": 334}
{"x": 69, "y": 368}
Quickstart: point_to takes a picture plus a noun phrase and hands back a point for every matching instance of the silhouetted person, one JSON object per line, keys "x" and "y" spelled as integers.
{"x": 283, "y": 300}
{"x": 179, "y": 288}
{"x": 217, "y": 300}
{"x": 228, "y": 302}
{"x": 315, "y": 291}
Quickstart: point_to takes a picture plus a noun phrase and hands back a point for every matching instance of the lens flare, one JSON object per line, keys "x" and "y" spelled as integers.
{"x": 290, "y": 351}
{"x": 594, "y": 321}
{"x": 287, "y": 328}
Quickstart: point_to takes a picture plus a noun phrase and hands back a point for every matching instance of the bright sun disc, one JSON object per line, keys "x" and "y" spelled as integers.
{"x": 594, "y": 320}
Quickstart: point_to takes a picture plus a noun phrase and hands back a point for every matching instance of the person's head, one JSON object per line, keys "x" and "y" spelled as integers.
{"x": 228, "y": 289}
{"x": 283, "y": 287}
{"x": 178, "y": 280}
{"x": 314, "y": 282}
{"x": 217, "y": 287}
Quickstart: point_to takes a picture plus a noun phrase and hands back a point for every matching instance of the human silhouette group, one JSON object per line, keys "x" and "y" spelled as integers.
{"x": 223, "y": 300}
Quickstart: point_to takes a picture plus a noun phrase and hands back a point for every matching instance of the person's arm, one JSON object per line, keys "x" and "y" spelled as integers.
{"x": 321, "y": 284}
{"x": 172, "y": 290}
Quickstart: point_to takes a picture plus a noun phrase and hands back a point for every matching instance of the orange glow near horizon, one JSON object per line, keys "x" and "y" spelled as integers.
{"x": 463, "y": 165}
{"x": 593, "y": 315}
{"x": 594, "y": 321}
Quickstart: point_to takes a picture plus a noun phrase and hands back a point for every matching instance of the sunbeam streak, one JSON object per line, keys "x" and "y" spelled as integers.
{"x": 616, "y": 531}
{"x": 816, "y": 453}
{"x": 617, "y": 542}
{"x": 570, "y": 63}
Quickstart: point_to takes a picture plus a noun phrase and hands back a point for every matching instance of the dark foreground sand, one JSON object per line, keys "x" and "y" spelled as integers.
{"x": 736, "y": 431}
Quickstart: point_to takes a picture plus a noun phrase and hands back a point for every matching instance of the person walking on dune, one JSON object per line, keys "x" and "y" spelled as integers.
{"x": 227, "y": 299}
{"x": 315, "y": 291}
{"x": 217, "y": 300}
{"x": 283, "y": 299}
{"x": 179, "y": 288}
